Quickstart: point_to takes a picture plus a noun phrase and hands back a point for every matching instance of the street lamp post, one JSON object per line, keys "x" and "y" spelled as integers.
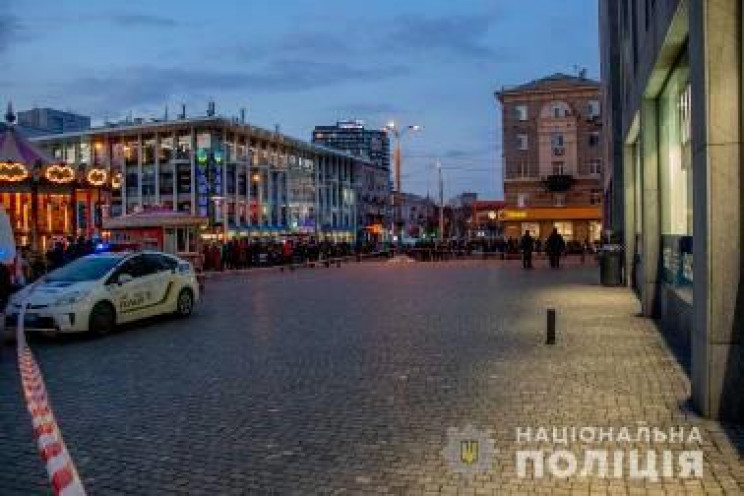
{"x": 398, "y": 133}
{"x": 441, "y": 202}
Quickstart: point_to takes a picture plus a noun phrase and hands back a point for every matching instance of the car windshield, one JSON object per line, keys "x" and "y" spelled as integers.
{"x": 84, "y": 269}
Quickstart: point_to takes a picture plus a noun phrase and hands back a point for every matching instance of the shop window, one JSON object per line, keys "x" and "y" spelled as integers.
{"x": 565, "y": 229}
{"x": 165, "y": 150}
{"x": 532, "y": 227}
{"x": 595, "y": 230}
{"x": 184, "y": 178}
{"x": 166, "y": 179}
{"x": 148, "y": 149}
{"x": 183, "y": 147}
{"x": 675, "y": 157}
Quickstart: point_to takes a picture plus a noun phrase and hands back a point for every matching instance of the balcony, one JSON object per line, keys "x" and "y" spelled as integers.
{"x": 558, "y": 183}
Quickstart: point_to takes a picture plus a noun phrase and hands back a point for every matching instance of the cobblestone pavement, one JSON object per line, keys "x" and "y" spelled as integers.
{"x": 345, "y": 381}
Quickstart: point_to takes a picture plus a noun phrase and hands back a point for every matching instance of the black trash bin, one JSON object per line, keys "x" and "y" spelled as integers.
{"x": 611, "y": 259}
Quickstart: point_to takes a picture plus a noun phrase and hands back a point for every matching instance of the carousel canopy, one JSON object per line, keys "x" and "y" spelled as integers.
{"x": 15, "y": 149}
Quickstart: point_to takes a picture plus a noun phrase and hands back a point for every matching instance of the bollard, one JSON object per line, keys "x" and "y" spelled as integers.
{"x": 551, "y": 326}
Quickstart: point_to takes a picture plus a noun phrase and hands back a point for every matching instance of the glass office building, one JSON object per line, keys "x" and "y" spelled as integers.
{"x": 245, "y": 180}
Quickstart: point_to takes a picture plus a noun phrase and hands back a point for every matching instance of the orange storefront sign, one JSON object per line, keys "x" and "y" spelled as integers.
{"x": 550, "y": 213}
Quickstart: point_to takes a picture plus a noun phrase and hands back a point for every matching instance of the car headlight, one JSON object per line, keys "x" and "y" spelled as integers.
{"x": 71, "y": 298}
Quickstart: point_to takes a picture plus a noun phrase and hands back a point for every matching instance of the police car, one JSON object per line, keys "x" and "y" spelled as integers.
{"x": 98, "y": 292}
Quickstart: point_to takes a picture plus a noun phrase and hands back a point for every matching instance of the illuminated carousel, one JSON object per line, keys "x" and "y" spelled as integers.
{"x": 47, "y": 201}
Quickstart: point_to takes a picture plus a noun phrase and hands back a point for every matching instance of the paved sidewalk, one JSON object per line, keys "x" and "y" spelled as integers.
{"x": 347, "y": 381}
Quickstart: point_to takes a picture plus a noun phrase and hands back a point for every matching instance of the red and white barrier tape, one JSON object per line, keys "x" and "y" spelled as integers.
{"x": 63, "y": 476}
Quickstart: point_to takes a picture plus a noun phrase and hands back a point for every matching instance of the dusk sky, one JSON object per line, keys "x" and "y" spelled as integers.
{"x": 302, "y": 63}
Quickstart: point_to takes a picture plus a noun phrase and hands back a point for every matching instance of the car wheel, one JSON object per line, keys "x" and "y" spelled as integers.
{"x": 185, "y": 303}
{"x": 102, "y": 318}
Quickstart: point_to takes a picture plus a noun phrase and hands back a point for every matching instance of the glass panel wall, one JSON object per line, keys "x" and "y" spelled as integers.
{"x": 675, "y": 176}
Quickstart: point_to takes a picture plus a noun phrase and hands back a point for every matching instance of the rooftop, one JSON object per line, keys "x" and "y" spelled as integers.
{"x": 554, "y": 81}
{"x": 151, "y": 125}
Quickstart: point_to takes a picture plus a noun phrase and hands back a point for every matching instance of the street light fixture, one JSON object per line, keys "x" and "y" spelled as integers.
{"x": 398, "y": 133}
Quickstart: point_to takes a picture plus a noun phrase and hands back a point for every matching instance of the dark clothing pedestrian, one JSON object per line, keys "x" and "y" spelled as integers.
{"x": 555, "y": 246}
{"x": 527, "y": 246}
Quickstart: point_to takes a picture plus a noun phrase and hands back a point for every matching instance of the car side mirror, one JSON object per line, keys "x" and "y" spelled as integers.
{"x": 123, "y": 279}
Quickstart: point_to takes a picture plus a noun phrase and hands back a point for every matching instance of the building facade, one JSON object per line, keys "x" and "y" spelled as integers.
{"x": 677, "y": 95}
{"x": 246, "y": 180}
{"x": 373, "y": 182}
{"x": 418, "y": 214}
{"x": 461, "y": 210}
{"x": 552, "y": 149}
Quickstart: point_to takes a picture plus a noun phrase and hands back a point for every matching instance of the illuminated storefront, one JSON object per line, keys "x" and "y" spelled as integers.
{"x": 573, "y": 223}
{"x": 247, "y": 181}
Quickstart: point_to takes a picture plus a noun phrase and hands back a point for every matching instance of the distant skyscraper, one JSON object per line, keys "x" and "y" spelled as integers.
{"x": 372, "y": 182}
{"x": 41, "y": 121}
{"x": 352, "y": 137}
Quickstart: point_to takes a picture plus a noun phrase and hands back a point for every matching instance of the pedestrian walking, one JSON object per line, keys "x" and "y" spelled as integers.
{"x": 555, "y": 246}
{"x": 527, "y": 246}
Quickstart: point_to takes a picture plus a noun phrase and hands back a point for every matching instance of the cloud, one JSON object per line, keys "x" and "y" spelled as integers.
{"x": 147, "y": 85}
{"x": 142, "y": 20}
{"x": 11, "y": 30}
{"x": 312, "y": 42}
{"x": 461, "y": 36}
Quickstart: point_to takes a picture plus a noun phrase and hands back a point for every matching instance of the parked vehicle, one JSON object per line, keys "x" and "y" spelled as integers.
{"x": 98, "y": 292}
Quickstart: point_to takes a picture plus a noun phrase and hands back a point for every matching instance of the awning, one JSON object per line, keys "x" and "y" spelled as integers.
{"x": 153, "y": 219}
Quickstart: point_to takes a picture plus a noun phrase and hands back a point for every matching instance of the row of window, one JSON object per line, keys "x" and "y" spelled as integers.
{"x": 558, "y": 167}
{"x": 559, "y": 199}
{"x": 557, "y": 141}
{"x": 557, "y": 110}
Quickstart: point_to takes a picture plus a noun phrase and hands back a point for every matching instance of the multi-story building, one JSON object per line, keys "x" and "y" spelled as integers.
{"x": 43, "y": 121}
{"x": 373, "y": 182}
{"x": 552, "y": 150}
{"x": 461, "y": 214}
{"x": 674, "y": 74}
{"x": 245, "y": 180}
{"x": 418, "y": 214}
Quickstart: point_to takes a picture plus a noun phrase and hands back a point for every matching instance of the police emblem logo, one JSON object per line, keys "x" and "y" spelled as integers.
{"x": 469, "y": 450}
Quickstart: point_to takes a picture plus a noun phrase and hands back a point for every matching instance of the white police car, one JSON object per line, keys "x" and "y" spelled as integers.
{"x": 97, "y": 292}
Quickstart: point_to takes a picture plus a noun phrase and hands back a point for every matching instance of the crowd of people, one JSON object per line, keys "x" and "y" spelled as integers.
{"x": 245, "y": 253}
{"x": 62, "y": 253}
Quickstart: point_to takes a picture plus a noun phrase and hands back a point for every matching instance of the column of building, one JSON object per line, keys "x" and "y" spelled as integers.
{"x": 716, "y": 51}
